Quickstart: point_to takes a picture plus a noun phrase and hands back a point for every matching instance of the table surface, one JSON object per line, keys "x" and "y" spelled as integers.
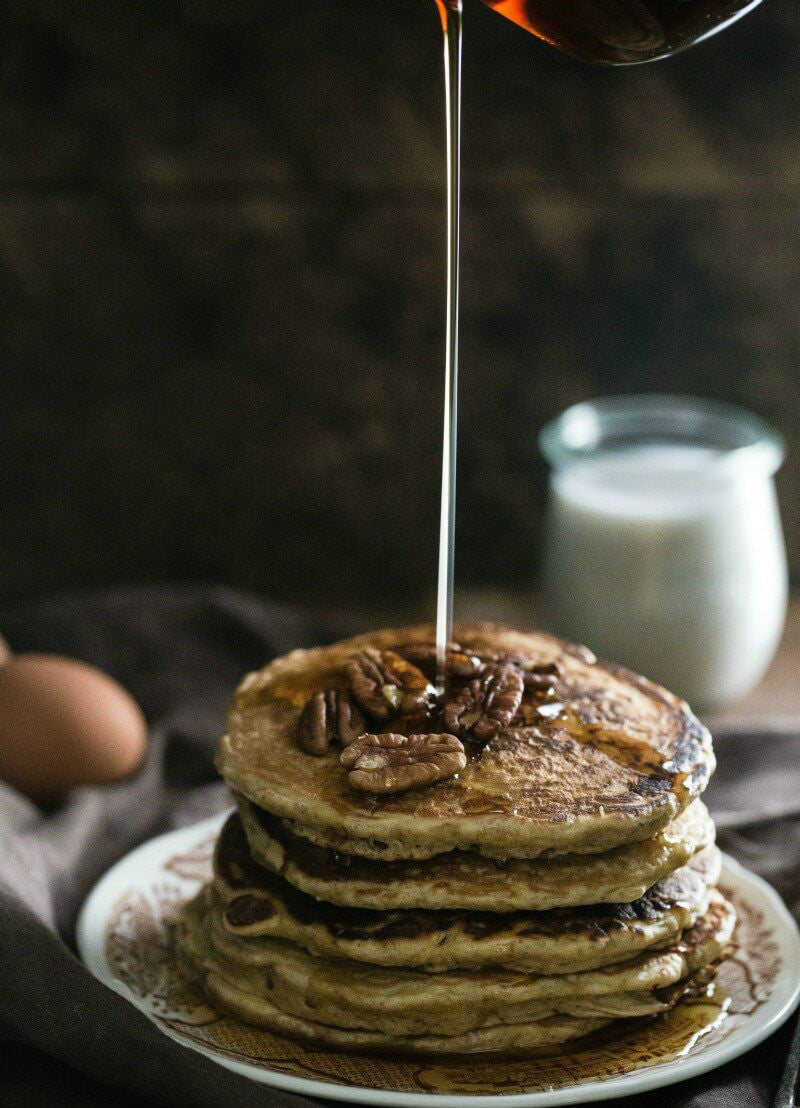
{"x": 776, "y": 699}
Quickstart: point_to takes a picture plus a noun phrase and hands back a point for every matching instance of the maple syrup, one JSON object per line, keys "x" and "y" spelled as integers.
{"x": 450, "y": 13}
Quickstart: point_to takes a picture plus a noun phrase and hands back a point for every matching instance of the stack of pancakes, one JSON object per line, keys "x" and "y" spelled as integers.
{"x": 563, "y": 880}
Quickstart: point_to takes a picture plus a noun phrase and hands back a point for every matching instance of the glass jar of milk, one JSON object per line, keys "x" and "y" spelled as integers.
{"x": 664, "y": 546}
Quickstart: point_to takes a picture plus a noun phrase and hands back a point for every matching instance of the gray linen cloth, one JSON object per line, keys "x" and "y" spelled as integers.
{"x": 67, "y": 1040}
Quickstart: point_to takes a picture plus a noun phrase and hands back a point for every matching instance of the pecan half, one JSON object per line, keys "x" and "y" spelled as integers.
{"x": 540, "y": 679}
{"x": 384, "y": 684}
{"x": 460, "y": 663}
{"x": 392, "y": 763}
{"x": 503, "y": 658}
{"x": 327, "y": 716}
{"x": 487, "y": 704}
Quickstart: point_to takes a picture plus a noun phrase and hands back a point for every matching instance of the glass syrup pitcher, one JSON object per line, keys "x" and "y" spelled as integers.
{"x": 620, "y": 32}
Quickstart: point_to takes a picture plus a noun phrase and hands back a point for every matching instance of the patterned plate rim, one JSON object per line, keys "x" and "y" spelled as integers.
{"x": 90, "y": 935}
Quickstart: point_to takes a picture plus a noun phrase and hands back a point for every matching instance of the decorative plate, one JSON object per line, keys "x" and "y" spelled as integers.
{"x": 125, "y": 938}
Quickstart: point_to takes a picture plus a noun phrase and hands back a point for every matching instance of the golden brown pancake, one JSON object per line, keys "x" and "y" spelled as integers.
{"x": 398, "y": 1004}
{"x": 618, "y": 764}
{"x": 256, "y": 902}
{"x": 460, "y": 879}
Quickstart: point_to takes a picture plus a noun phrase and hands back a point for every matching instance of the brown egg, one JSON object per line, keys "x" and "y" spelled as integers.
{"x": 64, "y": 723}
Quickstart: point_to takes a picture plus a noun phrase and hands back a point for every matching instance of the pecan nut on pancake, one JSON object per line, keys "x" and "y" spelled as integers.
{"x": 388, "y": 763}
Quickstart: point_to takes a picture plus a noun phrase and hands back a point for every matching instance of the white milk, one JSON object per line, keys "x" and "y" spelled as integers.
{"x": 669, "y": 559}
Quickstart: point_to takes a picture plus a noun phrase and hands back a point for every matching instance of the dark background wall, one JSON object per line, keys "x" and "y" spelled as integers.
{"x": 222, "y": 265}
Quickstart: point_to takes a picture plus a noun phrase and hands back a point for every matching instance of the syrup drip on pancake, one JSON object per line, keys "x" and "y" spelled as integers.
{"x": 573, "y": 714}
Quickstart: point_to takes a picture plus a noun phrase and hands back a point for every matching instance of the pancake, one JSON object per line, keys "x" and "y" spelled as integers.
{"x": 404, "y": 1003}
{"x": 255, "y": 902}
{"x": 462, "y": 880}
{"x": 527, "y": 1039}
{"x": 559, "y": 882}
{"x": 621, "y": 760}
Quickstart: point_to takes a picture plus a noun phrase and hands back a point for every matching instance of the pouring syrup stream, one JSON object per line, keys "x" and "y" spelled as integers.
{"x": 450, "y": 11}
{"x": 610, "y": 32}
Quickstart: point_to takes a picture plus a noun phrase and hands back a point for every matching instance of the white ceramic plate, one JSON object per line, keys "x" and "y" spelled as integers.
{"x": 125, "y": 938}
